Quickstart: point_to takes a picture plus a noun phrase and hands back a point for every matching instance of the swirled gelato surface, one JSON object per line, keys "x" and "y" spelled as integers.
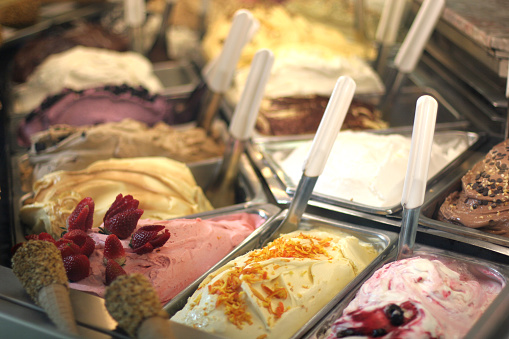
{"x": 195, "y": 245}
{"x": 165, "y": 188}
{"x": 273, "y": 291}
{"x": 72, "y": 148}
{"x": 483, "y": 201}
{"x": 84, "y": 67}
{"x": 417, "y": 298}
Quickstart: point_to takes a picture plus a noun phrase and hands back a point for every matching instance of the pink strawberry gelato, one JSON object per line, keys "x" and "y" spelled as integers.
{"x": 195, "y": 245}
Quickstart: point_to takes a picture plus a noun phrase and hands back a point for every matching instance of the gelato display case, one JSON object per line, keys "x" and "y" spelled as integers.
{"x": 463, "y": 66}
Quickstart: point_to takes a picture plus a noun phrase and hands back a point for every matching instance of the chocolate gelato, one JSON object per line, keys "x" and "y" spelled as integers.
{"x": 483, "y": 202}
{"x": 302, "y": 115}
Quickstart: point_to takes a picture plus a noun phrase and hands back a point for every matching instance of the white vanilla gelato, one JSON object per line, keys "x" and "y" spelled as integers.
{"x": 272, "y": 292}
{"x": 367, "y": 168}
{"x": 84, "y": 67}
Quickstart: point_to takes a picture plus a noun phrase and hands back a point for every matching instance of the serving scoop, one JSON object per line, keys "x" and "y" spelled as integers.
{"x": 331, "y": 123}
{"x": 221, "y": 192}
{"x": 416, "y": 176}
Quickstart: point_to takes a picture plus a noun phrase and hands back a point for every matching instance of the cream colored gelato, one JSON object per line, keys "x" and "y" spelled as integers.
{"x": 272, "y": 292}
{"x": 368, "y": 168}
{"x": 71, "y": 148}
{"x": 165, "y": 188}
{"x": 278, "y": 30}
{"x": 84, "y": 67}
{"x": 309, "y": 55}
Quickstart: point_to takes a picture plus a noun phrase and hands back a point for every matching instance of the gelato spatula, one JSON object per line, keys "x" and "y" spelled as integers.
{"x": 219, "y": 73}
{"x": 321, "y": 146}
{"x": 412, "y": 48}
{"x": 221, "y": 192}
{"x": 414, "y": 187}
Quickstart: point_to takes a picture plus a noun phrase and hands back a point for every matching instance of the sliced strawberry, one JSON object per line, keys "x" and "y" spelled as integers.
{"x": 146, "y": 248}
{"x": 113, "y": 271}
{"x": 82, "y": 216}
{"x": 121, "y": 204}
{"x": 82, "y": 239}
{"x": 67, "y": 248}
{"x": 113, "y": 250}
{"x": 124, "y": 223}
{"x": 161, "y": 239}
{"x": 77, "y": 267}
{"x": 147, "y": 238}
{"x": 32, "y": 237}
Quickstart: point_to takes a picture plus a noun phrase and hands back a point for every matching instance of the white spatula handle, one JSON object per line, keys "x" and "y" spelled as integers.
{"x": 246, "y": 111}
{"x": 424, "y": 23}
{"x": 331, "y": 123}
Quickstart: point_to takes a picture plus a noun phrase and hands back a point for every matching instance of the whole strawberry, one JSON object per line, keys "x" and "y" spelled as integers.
{"x": 82, "y": 217}
{"x": 77, "y": 267}
{"x": 113, "y": 270}
{"x": 122, "y": 217}
{"x": 82, "y": 239}
{"x": 148, "y": 238}
{"x": 113, "y": 250}
{"x": 67, "y": 247}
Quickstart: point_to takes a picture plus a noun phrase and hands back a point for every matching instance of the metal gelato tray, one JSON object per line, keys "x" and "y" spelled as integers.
{"x": 263, "y": 155}
{"x": 478, "y": 267}
{"x": 383, "y": 241}
{"x": 446, "y": 186}
{"x": 92, "y": 317}
{"x": 248, "y": 188}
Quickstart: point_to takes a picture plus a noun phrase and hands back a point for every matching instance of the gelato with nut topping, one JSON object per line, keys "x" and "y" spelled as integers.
{"x": 483, "y": 201}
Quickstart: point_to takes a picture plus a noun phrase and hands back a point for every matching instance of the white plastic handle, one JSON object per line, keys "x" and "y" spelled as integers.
{"x": 424, "y": 23}
{"x": 219, "y": 73}
{"x": 420, "y": 152}
{"x": 331, "y": 123}
{"x": 134, "y": 12}
{"x": 246, "y": 111}
{"x": 390, "y": 21}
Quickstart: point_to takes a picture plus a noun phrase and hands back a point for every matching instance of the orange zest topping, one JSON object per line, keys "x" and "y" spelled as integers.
{"x": 228, "y": 288}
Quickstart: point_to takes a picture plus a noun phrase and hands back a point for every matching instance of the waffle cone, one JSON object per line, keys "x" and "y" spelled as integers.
{"x": 155, "y": 327}
{"x": 55, "y": 300}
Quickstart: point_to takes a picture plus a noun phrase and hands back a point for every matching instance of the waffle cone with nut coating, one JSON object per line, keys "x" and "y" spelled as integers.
{"x": 131, "y": 300}
{"x": 39, "y": 266}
